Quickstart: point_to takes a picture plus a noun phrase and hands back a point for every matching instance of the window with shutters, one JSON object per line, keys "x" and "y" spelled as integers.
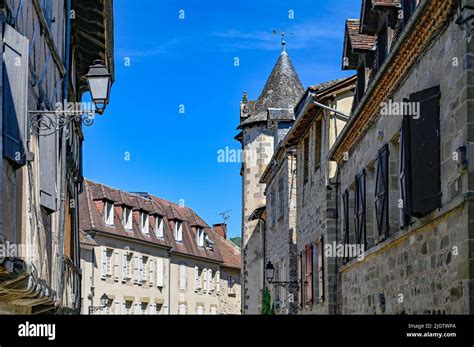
{"x": 116, "y": 266}
{"x": 182, "y": 309}
{"x": 204, "y": 280}
{"x": 317, "y": 144}
{"x": 422, "y": 155}
{"x": 360, "y": 209}
{"x": 200, "y": 237}
{"x": 152, "y": 272}
{"x": 371, "y": 229}
{"x": 144, "y": 223}
{"x": 159, "y": 272}
{"x": 381, "y": 193}
{"x": 128, "y": 307}
{"x": 144, "y": 274}
{"x": 196, "y": 279}
{"x": 15, "y": 111}
{"x": 127, "y": 218}
{"x": 210, "y": 281}
{"x": 143, "y": 308}
{"x": 128, "y": 266}
{"x": 218, "y": 281}
{"x": 404, "y": 173}
{"x": 178, "y": 231}
{"x": 299, "y": 279}
{"x": 182, "y": 277}
{"x": 305, "y": 158}
{"x": 309, "y": 274}
{"x": 159, "y": 226}
{"x": 109, "y": 213}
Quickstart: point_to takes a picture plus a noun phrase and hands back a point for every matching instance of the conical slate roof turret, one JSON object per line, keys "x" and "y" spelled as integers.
{"x": 282, "y": 90}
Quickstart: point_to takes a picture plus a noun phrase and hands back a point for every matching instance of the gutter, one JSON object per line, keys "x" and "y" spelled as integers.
{"x": 401, "y": 39}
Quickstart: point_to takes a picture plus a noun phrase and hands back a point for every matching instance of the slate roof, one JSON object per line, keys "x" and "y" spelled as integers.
{"x": 395, "y": 3}
{"x": 356, "y": 39}
{"x": 283, "y": 89}
{"x": 325, "y": 85}
{"x": 91, "y": 219}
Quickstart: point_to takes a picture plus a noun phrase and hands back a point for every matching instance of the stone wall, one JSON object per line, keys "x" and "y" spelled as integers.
{"x": 427, "y": 267}
{"x": 258, "y": 147}
{"x": 230, "y": 291}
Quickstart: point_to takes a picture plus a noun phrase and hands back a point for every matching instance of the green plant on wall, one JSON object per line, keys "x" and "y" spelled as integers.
{"x": 267, "y": 307}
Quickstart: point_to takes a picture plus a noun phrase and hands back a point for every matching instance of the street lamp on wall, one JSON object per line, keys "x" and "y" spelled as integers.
{"x": 104, "y": 302}
{"x": 48, "y": 122}
{"x": 270, "y": 274}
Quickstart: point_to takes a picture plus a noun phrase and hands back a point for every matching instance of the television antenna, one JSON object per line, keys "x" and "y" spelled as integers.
{"x": 225, "y": 215}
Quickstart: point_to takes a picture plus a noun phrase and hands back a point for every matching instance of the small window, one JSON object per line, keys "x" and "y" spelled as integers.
{"x": 127, "y": 218}
{"x": 305, "y": 158}
{"x": 144, "y": 223}
{"x": 109, "y": 213}
{"x": 178, "y": 231}
{"x": 159, "y": 226}
{"x": 200, "y": 237}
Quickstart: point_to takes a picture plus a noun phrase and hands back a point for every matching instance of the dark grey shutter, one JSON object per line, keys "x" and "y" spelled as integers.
{"x": 345, "y": 208}
{"x": 15, "y": 92}
{"x": 405, "y": 182}
{"x": 48, "y": 165}
{"x": 381, "y": 191}
{"x": 425, "y": 154}
{"x": 360, "y": 208}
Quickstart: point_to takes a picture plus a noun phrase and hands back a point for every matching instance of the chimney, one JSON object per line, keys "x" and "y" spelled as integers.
{"x": 220, "y": 229}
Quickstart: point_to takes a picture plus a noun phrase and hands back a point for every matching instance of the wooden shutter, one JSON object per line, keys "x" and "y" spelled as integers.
{"x": 299, "y": 280}
{"x": 204, "y": 280}
{"x": 103, "y": 259}
{"x": 15, "y": 94}
{"x": 405, "y": 182}
{"x": 425, "y": 154}
{"x": 124, "y": 268}
{"x": 159, "y": 272}
{"x": 116, "y": 266}
{"x": 321, "y": 268}
{"x": 360, "y": 208}
{"x": 381, "y": 192}
{"x": 196, "y": 278}
{"x": 316, "y": 273}
{"x": 135, "y": 268}
{"x": 182, "y": 276}
{"x": 218, "y": 282}
{"x": 210, "y": 281}
{"x": 118, "y": 305}
{"x": 309, "y": 274}
{"x": 152, "y": 273}
{"x": 345, "y": 210}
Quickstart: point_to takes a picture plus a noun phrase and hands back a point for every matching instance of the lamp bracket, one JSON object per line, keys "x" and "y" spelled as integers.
{"x": 45, "y": 123}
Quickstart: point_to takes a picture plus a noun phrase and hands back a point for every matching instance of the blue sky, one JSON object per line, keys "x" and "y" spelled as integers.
{"x": 190, "y": 62}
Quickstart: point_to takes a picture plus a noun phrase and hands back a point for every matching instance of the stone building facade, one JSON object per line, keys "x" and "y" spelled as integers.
{"x": 405, "y": 161}
{"x": 47, "y": 49}
{"x": 151, "y": 256}
{"x": 302, "y": 217}
{"x": 280, "y": 94}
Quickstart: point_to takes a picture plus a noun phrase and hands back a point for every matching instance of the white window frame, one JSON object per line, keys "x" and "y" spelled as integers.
{"x": 109, "y": 213}
{"x": 200, "y": 237}
{"x": 127, "y": 218}
{"x": 182, "y": 276}
{"x": 178, "y": 230}
{"x": 159, "y": 232}
{"x": 144, "y": 223}
{"x": 160, "y": 272}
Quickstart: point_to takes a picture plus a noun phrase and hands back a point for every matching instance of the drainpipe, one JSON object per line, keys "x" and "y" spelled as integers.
{"x": 62, "y": 210}
{"x": 264, "y": 246}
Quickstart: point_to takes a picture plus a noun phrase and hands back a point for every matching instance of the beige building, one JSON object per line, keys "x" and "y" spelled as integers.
{"x": 151, "y": 256}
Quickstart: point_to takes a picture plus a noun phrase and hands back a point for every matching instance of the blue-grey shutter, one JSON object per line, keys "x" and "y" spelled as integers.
{"x": 425, "y": 153}
{"x": 360, "y": 208}
{"x": 15, "y": 93}
{"x": 48, "y": 166}
{"x": 381, "y": 192}
{"x": 345, "y": 210}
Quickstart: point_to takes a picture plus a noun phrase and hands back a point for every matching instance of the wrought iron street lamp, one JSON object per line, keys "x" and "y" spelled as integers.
{"x": 270, "y": 273}
{"x": 104, "y": 302}
{"x": 48, "y": 122}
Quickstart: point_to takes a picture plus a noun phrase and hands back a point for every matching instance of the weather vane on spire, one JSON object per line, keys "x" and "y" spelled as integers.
{"x": 283, "y": 42}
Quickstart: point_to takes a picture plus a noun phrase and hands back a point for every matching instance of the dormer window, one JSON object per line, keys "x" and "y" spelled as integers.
{"x": 178, "y": 230}
{"x": 127, "y": 218}
{"x": 209, "y": 243}
{"x": 159, "y": 226}
{"x": 200, "y": 237}
{"x": 144, "y": 223}
{"x": 109, "y": 213}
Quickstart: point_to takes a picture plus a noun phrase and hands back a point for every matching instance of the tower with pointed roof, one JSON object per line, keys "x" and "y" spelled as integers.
{"x": 263, "y": 123}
